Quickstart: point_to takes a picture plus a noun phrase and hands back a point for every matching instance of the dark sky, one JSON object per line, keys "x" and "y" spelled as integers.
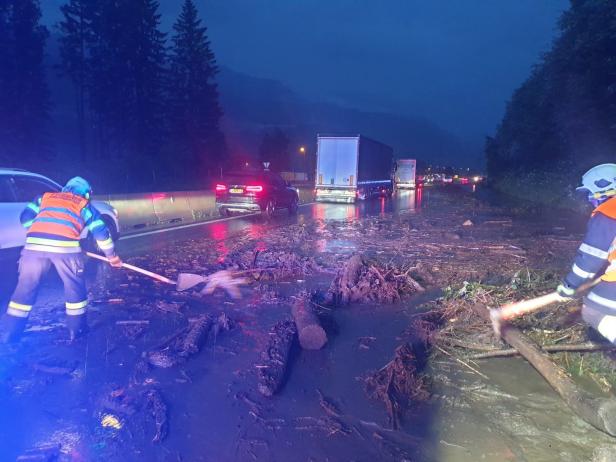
{"x": 454, "y": 62}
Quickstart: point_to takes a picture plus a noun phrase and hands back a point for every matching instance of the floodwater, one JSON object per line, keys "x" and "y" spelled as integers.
{"x": 52, "y": 392}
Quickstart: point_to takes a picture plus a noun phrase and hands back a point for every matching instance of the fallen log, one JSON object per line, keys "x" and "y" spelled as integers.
{"x": 276, "y": 357}
{"x": 579, "y": 348}
{"x": 598, "y": 412}
{"x": 196, "y": 336}
{"x": 158, "y": 409}
{"x": 309, "y": 331}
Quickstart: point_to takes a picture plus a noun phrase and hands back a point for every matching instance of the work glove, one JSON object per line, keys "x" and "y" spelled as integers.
{"x": 565, "y": 292}
{"x": 115, "y": 261}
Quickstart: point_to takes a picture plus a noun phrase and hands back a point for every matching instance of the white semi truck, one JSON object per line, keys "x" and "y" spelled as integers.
{"x": 406, "y": 170}
{"x": 351, "y": 168}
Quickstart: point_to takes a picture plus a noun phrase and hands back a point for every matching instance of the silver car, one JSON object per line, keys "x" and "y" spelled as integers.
{"x": 17, "y": 188}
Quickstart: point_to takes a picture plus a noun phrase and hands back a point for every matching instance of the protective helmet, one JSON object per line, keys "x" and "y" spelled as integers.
{"x": 599, "y": 182}
{"x": 79, "y": 186}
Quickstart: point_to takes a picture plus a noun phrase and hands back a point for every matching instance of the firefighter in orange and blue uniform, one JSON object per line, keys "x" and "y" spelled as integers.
{"x": 596, "y": 255}
{"x": 55, "y": 222}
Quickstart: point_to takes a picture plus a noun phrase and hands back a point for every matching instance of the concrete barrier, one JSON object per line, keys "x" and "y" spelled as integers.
{"x": 148, "y": 211}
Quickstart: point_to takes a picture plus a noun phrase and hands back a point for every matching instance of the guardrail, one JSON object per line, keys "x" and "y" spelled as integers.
{"x": 149, "y": 211}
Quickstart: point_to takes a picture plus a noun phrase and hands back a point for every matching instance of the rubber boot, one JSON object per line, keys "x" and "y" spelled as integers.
{"x": 77, "y": 326}
{"x": 11, "y": 328}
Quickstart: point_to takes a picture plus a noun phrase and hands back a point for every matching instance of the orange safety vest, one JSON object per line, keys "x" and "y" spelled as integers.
{"x": 608, "y": 208}
{"x": 60, "y": 215}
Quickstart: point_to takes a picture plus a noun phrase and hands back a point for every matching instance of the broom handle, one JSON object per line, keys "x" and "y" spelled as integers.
{"x": 514, "y": 310}
{"x": 128, "y": 266}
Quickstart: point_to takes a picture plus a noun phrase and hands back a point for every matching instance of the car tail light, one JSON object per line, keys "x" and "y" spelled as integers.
{"x": 220, "y": 188}
{"x": 254, "y": 189}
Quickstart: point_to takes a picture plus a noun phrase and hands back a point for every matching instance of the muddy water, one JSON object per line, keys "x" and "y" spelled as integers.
{"x": 216, "y": 414}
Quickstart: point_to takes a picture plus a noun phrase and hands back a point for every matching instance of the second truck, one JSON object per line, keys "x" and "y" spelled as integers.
{"x": 404, "y": 176}
{"x": 351, "y": 168}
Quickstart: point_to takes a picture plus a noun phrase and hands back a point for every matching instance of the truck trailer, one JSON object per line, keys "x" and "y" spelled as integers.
{"x": 404, "y": 177}
{"x": 351, "y": 168}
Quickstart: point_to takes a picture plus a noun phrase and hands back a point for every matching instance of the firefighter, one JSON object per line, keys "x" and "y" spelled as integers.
{"x": 55, "y": 222}
{"x": 596, "y": 255}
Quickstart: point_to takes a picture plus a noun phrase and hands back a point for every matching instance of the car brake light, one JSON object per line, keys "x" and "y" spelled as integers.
{"x": 221, "y": 187}
{"x": 254, "y": 188}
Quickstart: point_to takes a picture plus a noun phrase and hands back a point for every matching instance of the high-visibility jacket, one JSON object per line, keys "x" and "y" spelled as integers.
{"x": 597, "y": 257}
{"x": 55, "y": 222}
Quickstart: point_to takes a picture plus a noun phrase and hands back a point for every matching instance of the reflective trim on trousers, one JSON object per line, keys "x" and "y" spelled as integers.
{"x": 595, "y": 252}
{"x": 19, "y": 306}
{"x": 607, "y": 327}
{"x": 581, "y": 273}
{"x": 17, "y": 313}
{"x": 76, "y": 308}
{"x": 599, "y": 300}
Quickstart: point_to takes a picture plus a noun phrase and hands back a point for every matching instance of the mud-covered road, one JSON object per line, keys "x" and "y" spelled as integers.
{"x": 137, "y": 388}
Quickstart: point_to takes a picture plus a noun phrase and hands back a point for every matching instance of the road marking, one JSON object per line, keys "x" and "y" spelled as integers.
{"x": 192, "y": 225}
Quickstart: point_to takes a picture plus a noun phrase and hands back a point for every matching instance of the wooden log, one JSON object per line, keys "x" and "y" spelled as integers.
{"x": 598, "y": 412}
{"x": 309, "y": 331}
{"x": 275, "y": 359}
{"x": 196, "y": 335}
{"x": 578, "y": 348}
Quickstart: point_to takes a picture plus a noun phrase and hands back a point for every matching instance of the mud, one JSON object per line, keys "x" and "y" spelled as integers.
{"x": 208, "y": 405}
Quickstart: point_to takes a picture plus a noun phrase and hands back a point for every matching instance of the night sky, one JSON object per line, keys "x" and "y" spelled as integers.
{"x": 454, "y": 62}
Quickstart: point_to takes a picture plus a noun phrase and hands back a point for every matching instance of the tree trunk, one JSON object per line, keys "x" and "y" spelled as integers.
{"x": 275, "y": 359}
{"x": 311, "y": 334}
{"x": 598, "y": 412}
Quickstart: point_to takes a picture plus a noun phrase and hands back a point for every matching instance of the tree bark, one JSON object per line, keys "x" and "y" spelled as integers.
{"x": 275, "y": 359}
{"x": 311, "y": 334}
{"x": 598, "y": 412}
{"x": 580, "y": 348}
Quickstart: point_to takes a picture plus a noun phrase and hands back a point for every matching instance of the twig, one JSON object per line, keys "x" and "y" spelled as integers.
{"x": 462, "y": 362}
{"x": 581, "y": 347}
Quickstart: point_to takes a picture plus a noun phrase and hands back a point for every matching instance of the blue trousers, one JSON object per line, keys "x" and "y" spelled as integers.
{"x": 33, "y": 265}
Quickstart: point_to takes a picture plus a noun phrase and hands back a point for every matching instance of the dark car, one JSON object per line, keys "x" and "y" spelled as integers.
{"x": 255, "y": 191}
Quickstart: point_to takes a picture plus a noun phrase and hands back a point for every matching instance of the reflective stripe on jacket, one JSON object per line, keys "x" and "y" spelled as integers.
{"x": 55, "y": 223}
{"x": 597, "y": 248}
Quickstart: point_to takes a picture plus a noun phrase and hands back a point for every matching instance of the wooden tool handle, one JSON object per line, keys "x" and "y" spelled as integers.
{"x": 514, "y": 310}
{"x": 158, "y": 277}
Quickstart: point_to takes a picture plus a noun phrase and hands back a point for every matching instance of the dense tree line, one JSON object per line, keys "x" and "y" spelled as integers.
{"x": 24, "y": 96}
{"x": 146, "y": 102}
{"x": 562, "y": 120}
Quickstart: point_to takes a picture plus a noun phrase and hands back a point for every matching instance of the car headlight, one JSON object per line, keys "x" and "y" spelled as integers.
{"x": 115, "y": 212}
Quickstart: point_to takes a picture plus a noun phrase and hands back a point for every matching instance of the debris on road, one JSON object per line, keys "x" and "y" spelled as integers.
{"x": 362, "y": 281}
{"x": 158, "y": 409}
{"x": 272, "y": 370}
{"x": 398, "y": 384}
{"x": 188, "y": 341}
{"x": 309, "y": 331}
{"x": 47, "y": 453}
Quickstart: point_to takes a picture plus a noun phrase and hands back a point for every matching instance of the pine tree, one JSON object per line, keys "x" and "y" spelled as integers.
{"x": 127, "y": 59}
{"x": 75, "y": 35}
{"x": 24, "y": 96}
{"x": 195, "y": 111}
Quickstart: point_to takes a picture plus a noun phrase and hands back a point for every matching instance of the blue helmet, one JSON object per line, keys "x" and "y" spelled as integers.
{"x": 599, "y": 182}
{"x": 78, "y": 186}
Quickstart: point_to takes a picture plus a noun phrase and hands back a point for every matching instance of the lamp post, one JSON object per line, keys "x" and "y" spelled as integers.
{"x": 302, "y": 152}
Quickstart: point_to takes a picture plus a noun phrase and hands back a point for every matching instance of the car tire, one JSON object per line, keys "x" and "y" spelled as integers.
{"x": 294, "y": 206}
{"x": 269, "y": 209}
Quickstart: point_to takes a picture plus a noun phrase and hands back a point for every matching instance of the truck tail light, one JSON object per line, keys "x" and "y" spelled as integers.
{"x": 254, "y": 189}
{"x": 220, "y": 188}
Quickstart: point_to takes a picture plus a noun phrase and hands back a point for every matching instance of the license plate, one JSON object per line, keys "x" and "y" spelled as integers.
{"x": 236, "y": 191}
